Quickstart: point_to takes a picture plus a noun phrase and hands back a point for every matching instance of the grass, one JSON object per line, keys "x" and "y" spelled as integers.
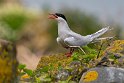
{"x": 61, "y": 69}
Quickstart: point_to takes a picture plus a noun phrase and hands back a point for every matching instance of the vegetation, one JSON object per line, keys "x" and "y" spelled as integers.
{"x": 51, "y": 67}
{"x": 12, "y": 21}
{"x": 57, "y": 67}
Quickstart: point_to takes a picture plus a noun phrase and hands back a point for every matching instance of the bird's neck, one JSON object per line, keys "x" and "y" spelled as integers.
{"x": 63, "y": 27}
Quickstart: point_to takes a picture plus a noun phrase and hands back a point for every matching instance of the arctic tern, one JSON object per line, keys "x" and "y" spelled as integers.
{"x": 69, "y": 39}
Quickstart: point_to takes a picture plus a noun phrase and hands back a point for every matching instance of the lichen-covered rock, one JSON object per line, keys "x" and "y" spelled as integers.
{"x": 56, "y": 61}
{"x": 63, "y": 74}
{"x": 113, "y": 55}
{"x": 103, "y": 75}
{"x": 75, "y": 67}
{"x": 8, "y": 62}
{"x": 60, "y": 68}
{"x": 116, "y": 46}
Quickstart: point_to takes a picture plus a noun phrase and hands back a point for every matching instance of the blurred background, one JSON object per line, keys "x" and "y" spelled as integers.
{"x": 25, "y": 23}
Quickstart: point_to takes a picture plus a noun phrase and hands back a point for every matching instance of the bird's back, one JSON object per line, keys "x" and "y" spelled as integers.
{"x": 77, "y": 39}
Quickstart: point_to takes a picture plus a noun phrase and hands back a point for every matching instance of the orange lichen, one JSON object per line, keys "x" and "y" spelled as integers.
{"x": 25, "y": 76}
{"x": 90, "y": 76}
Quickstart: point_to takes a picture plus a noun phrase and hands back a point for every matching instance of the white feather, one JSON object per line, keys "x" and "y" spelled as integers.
{"x": 100, "y": 32}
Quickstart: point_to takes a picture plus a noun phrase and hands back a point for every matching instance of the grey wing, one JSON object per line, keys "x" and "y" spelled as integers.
{"x": 72, "y": 41}
{"x": 61, "y": 42}
{"x": 76, "y": 39}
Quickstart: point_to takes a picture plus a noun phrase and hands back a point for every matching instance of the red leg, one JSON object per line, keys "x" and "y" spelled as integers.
{"x": 70, "y": 53}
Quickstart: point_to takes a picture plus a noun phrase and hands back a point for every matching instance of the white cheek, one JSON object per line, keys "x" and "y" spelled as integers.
{"x": 60, "y": 19}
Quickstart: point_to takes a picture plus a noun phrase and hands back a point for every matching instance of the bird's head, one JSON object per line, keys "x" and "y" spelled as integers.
{"x": 57, "y": 16}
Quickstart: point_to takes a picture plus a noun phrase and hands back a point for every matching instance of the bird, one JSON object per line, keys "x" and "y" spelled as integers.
{"x": 71, "y": 40}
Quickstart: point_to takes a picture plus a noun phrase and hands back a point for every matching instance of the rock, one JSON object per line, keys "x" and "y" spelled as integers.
{"x": 113, "y": 56}
{"x": 116, "y": 46}
{"x": 63, "y": 74}
{"x": 8, "y": 62}
{"x": 75, "y": 66}
{"x": 103, "y": 75}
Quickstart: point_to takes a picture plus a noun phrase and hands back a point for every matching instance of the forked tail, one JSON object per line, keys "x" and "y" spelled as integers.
{"x": 100, "y": 32}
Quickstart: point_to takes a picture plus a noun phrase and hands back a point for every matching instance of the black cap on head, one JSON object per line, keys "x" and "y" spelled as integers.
{"x": 61, "y": 15}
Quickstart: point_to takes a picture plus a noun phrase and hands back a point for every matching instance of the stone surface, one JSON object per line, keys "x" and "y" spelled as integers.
{"x": 103, "y": 75}
{"x": 63, "y": 75}
{"x": 116, "y": 49}
{"x": 113, "y": 56}
{"x": 8, "y": 62}
{"x": 116, "y": 46}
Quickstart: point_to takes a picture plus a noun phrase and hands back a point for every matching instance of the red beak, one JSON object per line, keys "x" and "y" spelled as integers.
{"x": 52, "y": 16}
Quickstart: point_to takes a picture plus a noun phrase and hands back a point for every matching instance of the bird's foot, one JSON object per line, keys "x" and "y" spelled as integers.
{"x": 68, "y": 54}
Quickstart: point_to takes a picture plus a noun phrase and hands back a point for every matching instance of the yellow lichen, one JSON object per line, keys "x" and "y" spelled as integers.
{"x": 90, "y": 76}
{"x": 56, "y": 60}
{"x": 25, "y": 76}
{"x": 8, "y": 64}
{"x": 116, "y": 46}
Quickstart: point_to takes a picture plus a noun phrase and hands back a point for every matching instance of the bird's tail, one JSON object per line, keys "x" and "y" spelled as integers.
{"x": 100, "y": 32}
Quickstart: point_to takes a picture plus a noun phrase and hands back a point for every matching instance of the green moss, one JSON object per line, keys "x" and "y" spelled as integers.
{"x": 59, "y": 68}
{"x": 53, "y": 64}
{"x": 56, "y": 61}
